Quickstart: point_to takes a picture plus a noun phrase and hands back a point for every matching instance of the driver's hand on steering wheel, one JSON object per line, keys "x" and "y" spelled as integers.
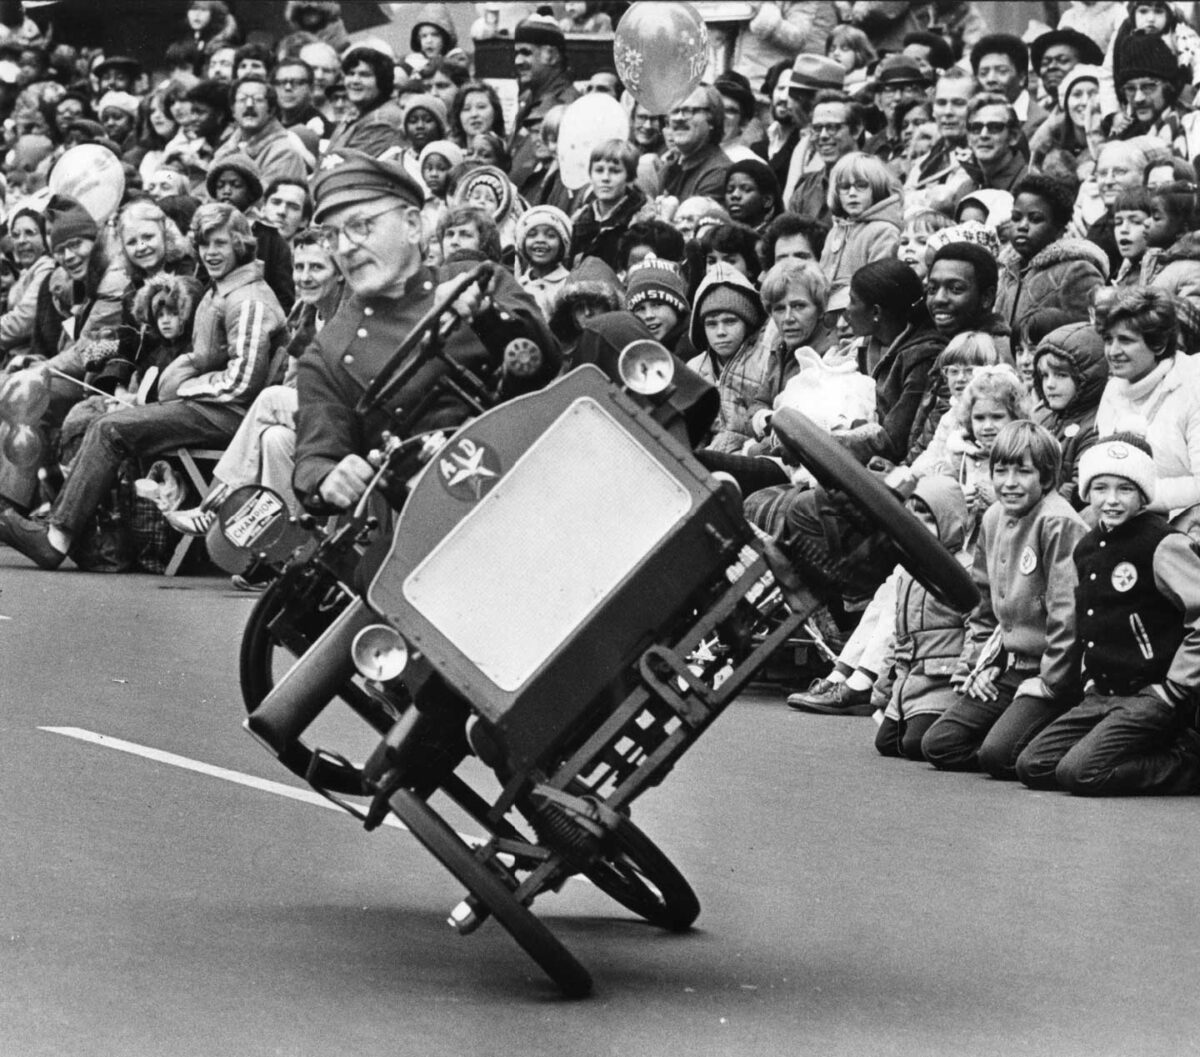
{"x": 472, "y": 301}
{"x": 344, "y": 485}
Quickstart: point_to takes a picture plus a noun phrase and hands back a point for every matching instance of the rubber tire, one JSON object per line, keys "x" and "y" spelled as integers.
{"x": 257, "y": 680}
{"x": 636, "y": 873}
{"x": 535, "y": 938}
{"x": 834, "y": 467}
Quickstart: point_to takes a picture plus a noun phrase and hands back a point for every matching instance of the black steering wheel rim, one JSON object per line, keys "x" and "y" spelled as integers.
{"x": 834, "y": 467}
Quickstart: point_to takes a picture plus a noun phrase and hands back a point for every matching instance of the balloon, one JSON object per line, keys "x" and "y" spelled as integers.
{"x": 589, "y": 121}
{"x": 660, "y": 51}
{"x": 24, "y": 396}
{"x": 93, "y": 176}
{"x": 22, "y": 446}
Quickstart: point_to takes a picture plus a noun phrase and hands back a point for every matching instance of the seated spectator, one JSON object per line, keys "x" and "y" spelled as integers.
{"x": 192, "y": 148}
{"x": 465, "y": 229}
{"x": 1136, "y": 635}
{"x": 851, "y": 49}
{"x": 1070, "y": 373}
{"x": 993, "y": 398}
{"x": 914, "y": 688}
{"x": 27, "y": 229}
{"x": 1172, "y": 258}
{"x": 752, "y": 194}
{"x": 726, "y": 316}
{"x": 1075, "y": 126}
{"x": 864, "y": 201}
{"x": 914, "y": 237}
{"x": 694, "y": 214}
{"x": 487, "y": 188}
{"x": 259, "y": 134}
{"x": 646, "y": 237}
{"x": 699, "y": 165}
{"x": 657, "y": 294}
{"x": 287, "y": 206}
{"x": 887, "y": 308}
{"x": 609, "y": 205}
{"x": 954, "y": 369}
{"x": 1041, "y": 268}
{"x": 235, "y": 179}
{"x": 837, "y": 129}
{"x": 791, "y": 235}
{"x": 1153, "y": 389}
{"x": 732, "y": 244}
{"x": 1027, "y": 579}
{"x": 590, "y": 290}
{"x": 263, "y": 448}
{"x": 368, "y": 70}
{"x": 543, "y": 239}
{"x": 203, "y": 395}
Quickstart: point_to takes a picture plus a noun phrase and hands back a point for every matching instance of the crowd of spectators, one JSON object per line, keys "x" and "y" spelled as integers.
{"x": 971, "y": 257}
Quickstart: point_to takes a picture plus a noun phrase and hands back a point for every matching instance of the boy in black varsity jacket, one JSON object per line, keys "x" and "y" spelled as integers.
{"x": 1138, "y": 636}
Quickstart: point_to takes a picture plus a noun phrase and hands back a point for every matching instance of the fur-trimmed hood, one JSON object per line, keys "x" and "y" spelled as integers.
{"x": 184, "y": 290}
{"x": 590, "y": 279}
{"x": 1061, "y": 251}
{"x": 1185, "y": 248}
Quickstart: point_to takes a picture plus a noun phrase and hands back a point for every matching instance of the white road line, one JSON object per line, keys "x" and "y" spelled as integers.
{"x": 265, "y": 785}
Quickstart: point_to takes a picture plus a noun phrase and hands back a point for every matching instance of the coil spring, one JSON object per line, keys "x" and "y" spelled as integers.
{"x": 556, "y": 829}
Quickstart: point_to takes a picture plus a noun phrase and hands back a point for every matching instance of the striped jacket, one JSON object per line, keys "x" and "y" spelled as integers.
{"x": 238, "y": 324}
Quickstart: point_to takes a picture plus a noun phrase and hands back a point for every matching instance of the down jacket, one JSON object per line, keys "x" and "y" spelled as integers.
{"x": 929, "y": 635}
{"x": 1060, "y": 276}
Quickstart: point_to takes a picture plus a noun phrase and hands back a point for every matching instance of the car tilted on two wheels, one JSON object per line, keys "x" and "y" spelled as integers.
{"x": 570, "y": 598}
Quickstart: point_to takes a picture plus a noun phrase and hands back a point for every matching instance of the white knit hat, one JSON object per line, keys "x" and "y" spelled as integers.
{"x": 1123, "y": 455}
{"x": 552, "y": 217}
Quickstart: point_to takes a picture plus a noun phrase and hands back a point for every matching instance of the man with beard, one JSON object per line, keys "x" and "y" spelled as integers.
{"x": 1148, "y": 78}
{"x": 540, "y": 59}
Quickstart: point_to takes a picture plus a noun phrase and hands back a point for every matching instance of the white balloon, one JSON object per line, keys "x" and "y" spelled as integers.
{"x": 93, "y": 176}
{"x": 589, "y": 121}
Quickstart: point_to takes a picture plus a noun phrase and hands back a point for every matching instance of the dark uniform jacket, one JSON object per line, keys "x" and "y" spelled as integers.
{"x": 1138, "y": 608}
{"x": 355, "y": 345}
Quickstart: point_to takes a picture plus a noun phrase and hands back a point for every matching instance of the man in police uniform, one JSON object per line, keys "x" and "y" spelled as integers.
{"x": 371, "y": 208}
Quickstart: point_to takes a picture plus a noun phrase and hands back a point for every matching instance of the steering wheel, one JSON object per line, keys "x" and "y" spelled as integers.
{"x": 921, "y": 553}
{"x": 394, "y": 374}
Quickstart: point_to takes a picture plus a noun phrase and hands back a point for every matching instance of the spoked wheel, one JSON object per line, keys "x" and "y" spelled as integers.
{"x": 536, "y": 939}
{"x": 634, "y": 871}
{"x": 268, "y": 649}
{"x": 836, "y": 468}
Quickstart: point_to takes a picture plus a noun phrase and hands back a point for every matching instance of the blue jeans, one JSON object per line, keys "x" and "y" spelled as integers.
{"x": 975, "y": 735}
{"x": 135, "y": 431}
{"x": 1114, "y": 746}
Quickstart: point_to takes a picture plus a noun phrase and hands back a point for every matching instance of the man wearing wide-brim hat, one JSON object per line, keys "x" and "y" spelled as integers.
{"x": 810, "y": 74}
{"x": 1055, "y": 54}
{"x": 116, "y": 73}
{"x": 370, "y": 210}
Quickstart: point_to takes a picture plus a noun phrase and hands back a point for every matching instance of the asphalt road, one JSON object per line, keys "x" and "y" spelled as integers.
{"x": 155, "y": 904}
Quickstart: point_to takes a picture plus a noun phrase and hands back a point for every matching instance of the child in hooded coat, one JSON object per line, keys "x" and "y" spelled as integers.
{"x": 738, "y": 373}
{"x": 865, "y": 202}
{"x": 914, "y": 686}
{"x": 1070, "y": 372}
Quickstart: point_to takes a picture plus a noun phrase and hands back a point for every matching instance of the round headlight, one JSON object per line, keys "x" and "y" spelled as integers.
{"x": 646, "y": 367}
{"x": 379, "y": 653}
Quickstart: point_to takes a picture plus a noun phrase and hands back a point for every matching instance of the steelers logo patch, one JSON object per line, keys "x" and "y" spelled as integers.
{"x": 1124, "y": 576}
{"x": 1028, "y": 561}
